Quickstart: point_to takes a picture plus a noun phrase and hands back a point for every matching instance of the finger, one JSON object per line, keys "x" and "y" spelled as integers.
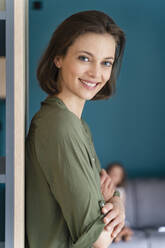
{"x": 103, "y": 176}
{"x": 119, "y": 236}
{"x": 118, "y": 230}
{"x": 106, "y": 183}
{"x": 108, "y": 206}
{"x": 111, "y": 187}
{"x": 110, "y": 216}
{"x": 121, "y": 232}
{"x": 103, "y": 171}
{"x": 111, "y": 183}
{"x": 116, "y": 221}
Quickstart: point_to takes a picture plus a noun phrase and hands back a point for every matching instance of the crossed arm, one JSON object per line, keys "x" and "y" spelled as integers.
{"x": 72, "y": 177}
{"x": 114, "y": 213}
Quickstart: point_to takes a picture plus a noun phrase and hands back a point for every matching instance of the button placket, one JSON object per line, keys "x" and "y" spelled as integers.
{"x": 90, "y": 147}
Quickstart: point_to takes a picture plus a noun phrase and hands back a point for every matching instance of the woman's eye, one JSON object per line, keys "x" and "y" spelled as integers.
{"x": 107, "y": 63}
{"x": 84, "y": 58}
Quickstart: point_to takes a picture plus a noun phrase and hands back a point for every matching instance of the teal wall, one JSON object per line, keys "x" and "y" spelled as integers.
{"x": 130, "y": 127}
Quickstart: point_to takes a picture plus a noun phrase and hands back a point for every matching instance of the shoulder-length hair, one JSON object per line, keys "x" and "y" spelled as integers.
{"x": 64, "y": 36}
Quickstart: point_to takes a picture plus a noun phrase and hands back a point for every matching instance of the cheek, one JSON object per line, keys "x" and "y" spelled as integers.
{"x": 107, "y": 75}
{"x": 69, "y": 73}
{"x": 75, "y": 70}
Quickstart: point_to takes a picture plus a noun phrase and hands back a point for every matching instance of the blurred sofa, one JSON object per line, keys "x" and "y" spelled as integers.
{"x": 145, "y": 213}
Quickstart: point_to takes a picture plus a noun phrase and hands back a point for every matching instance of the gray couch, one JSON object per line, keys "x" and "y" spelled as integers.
{"x": 145, "y": 213}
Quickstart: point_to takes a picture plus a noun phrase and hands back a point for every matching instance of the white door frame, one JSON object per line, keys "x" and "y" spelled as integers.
{"x": 16, "y": 81}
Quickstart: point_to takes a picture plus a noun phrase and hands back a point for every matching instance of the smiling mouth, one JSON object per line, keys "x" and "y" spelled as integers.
{"x": 88, "y": 84}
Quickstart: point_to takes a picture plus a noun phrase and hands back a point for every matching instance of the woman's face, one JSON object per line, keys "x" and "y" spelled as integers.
{"x": 87, "y": 65}
{"x": 116, "y": 174}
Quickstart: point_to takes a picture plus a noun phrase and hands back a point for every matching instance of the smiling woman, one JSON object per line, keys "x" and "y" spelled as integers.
{"x": 81, "y": 63}
{"x": 83, "y": 74}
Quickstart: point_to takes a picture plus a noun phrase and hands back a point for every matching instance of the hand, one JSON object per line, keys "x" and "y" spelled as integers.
{"x": 115, "y": 216}
{"x": 107, "y": 186}
{"x": 125, "y": 234}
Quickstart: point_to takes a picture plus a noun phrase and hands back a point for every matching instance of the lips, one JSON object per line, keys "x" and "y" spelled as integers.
{"x": 88, "y": 84}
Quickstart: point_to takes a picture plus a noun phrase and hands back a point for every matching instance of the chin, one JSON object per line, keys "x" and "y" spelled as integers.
{"x": 88, "y": 96}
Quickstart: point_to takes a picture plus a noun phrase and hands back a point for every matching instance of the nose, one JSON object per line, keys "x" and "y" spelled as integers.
{"x": 94, "y": 71}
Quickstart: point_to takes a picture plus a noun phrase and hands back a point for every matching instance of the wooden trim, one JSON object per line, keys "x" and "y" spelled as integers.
{"x": 3, "y": 77}
{"x": 19, "y": 121}
{"x": 2, "y": 5}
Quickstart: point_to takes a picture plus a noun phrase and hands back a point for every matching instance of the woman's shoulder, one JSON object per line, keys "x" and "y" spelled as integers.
{"x": 56, "y": 121}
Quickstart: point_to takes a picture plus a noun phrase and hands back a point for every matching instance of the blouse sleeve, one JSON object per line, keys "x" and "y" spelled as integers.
{"x": 65, "y": 162}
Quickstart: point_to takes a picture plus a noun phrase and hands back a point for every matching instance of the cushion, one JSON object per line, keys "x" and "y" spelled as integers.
{"x": 145, "y": 203}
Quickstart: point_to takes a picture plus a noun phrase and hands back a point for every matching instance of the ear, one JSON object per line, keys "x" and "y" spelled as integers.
{"x": 58, "y": 61}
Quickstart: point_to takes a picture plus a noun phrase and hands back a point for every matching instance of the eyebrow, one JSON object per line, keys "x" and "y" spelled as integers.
{"x": 82, "y": 51}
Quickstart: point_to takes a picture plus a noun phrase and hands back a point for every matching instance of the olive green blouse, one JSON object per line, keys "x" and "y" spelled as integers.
{"x": 63, "y": 196}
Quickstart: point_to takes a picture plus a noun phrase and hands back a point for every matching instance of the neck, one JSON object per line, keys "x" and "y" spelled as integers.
{"x": 74, "y": 104}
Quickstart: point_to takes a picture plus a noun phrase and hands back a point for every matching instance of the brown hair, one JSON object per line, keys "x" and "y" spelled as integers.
{"x": 64, "y": 36}
{"x": 118, "y": 164}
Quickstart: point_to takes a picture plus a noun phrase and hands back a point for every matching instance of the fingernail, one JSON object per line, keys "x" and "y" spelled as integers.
{"x": 104, "y": 210}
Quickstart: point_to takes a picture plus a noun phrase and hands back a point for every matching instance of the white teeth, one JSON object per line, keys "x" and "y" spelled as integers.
{"x": 89, "y": 84}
